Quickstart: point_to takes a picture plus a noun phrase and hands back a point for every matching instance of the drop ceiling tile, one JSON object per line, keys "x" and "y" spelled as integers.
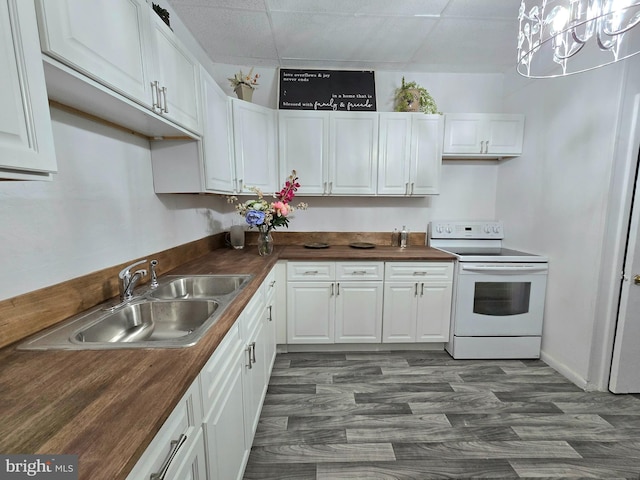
{"x": 363, "y": 7}
{"x": 230, "y": 4}
{"x": 229, "y": 33}
{"x": 468, "y": 42}
{"x": 504, "y": 9}
{"x": 330, "y": 37}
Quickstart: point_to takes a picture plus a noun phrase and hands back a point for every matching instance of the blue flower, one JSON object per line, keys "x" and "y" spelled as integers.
{"x": 255, "y": 218}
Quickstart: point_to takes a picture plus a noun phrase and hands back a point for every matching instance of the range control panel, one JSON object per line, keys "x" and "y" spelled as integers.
{"x": 479, "y": 230}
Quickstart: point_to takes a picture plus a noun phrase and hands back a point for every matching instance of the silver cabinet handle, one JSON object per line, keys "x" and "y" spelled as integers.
{"x": 486, "y": 146}
{"x": 415, "y": 292}
{"x": 330, "y": 188}
{"x": 155, "y": 97}
{"x": 421, "y": 274}
{"x": 359, "y": 272}
{"x": 175, "y": 446}
{"x": 422, "y": 289}
{"x": 240, "y": 185}
{"x": 482, "y": 146}
{"x": 164, "y": 100}
{"x": 252, "y": 355}
{"x": 271, "y": 285}
{"x": 406, "y": 188}
{"x": 332, "y": 286}
{"x": 270, "y": 318}
{"x": 311, "y": 272}
{"x": 411, "y": 189}
{"x": 337, "y": 289}
{"x": 324, "y": 189}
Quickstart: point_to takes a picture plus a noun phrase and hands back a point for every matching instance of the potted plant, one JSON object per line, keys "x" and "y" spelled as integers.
{"x": 411, "y": 97}
{"x": 244, "y": 85}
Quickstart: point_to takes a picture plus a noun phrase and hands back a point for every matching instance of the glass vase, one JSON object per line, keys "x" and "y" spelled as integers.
{"x": 265, "y": 243}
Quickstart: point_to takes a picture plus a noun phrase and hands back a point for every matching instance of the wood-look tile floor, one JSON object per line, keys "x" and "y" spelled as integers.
{"x": 423, "y": 415}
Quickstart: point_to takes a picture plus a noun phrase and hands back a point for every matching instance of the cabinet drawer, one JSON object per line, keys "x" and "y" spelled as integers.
{"x": 311, "y": 271}
{"x": 185, "y": 419}
{"x": 359, "y": 271}
{"x": 215, "y": 372}
{"x": 422, "y": 271}
{"x": 251, "y": 315}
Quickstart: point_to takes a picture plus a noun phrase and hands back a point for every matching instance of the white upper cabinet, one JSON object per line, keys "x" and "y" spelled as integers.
{"x": 219, "y": 169}
{"x": 125, "y": 46}
{"x": 479, "y": 135}
{"x": 106, "y": 40}
{"x": 353, "y": 153}
{"x": 26, "y": 140}
{"x": 304, "y": 147}
{"x": 410, "y": 154}
{"x": 254, "y": 147}
{"x": 334, "y": 153}
{"x": 175, "y": 82}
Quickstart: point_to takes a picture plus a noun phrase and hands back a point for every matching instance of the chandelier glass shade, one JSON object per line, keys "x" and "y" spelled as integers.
{"x": 563, "y": 37}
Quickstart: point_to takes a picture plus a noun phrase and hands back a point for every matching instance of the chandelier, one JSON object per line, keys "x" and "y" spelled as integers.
{"x": 553, "y": 32}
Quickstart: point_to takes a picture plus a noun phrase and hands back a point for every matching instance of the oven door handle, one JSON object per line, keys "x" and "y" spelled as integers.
{"x": 516, "y": 269}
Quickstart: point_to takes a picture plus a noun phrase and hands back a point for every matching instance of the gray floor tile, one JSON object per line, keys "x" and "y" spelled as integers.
{"x": 485, "y": 449}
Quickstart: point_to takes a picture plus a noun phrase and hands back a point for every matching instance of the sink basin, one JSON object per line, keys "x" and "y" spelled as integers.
{"x": 175, "y": 314}
{"x": 148, "y": 322}
{"x": 200, "y": 286}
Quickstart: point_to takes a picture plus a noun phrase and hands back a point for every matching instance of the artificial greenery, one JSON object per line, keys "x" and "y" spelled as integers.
{"x": 404, "y": 97}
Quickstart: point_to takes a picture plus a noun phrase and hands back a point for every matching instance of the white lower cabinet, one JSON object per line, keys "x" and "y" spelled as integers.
{"x": 368, "y": 302}
{"x": 209, "y": 434}
{"x": 177, "y": 450}
{"x": 417, "y": 302}
{"x": 334, "y": 302}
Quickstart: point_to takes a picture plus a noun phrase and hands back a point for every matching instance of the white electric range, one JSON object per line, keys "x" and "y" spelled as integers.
{"x": 499, "y": 293}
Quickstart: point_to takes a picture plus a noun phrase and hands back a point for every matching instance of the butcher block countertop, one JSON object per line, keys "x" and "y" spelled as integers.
{"x": 106, "y": 406}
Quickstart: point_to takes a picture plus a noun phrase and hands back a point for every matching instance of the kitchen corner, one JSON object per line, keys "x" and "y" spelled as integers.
{"x": 107, "y": 406}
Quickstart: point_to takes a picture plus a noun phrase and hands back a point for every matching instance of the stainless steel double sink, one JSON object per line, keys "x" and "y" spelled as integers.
{"x": 177, "y": 313}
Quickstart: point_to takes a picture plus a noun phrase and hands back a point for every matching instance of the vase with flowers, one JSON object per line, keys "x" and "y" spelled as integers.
{"x": 244, "y": 85}
{"x": 267, "y": 215}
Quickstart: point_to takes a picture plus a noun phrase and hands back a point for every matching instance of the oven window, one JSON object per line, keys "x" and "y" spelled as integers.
{"x": 501, "y": 299}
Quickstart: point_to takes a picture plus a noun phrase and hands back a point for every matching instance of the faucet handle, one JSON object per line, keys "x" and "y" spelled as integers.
{"x": 154, "y": 276}
{"x": 125, "y": 273}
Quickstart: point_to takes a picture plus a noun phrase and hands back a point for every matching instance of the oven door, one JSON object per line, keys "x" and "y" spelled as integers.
{"x": 501, "y": 299}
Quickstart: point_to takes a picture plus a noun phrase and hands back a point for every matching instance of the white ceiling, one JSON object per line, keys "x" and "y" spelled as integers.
{"x": 394, "y": 35}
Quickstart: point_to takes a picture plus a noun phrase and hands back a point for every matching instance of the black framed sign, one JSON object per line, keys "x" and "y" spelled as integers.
{"x": 348, "y": 90}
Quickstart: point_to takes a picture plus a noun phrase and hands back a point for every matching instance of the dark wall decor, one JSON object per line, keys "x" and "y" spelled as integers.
{"x": 346, "y": 90}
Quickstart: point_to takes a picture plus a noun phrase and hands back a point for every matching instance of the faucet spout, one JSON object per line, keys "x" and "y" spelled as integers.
{"x": 128, "y": 280}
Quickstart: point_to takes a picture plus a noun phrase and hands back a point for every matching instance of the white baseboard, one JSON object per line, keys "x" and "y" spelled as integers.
{"x": 563, "y": 370}
{"x": 359, "y": 347}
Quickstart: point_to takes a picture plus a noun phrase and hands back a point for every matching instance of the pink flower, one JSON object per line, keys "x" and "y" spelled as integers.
{"x": 281, "y": 208}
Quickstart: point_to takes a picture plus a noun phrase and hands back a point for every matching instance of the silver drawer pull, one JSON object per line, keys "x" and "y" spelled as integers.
{"x": 175, "y": 446}
{"x": 359, "y": 272}
{"x": 311, "y": 272}
{"x": 422, "y": 274}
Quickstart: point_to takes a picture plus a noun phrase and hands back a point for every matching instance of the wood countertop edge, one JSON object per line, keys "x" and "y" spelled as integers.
{"x": 107, "y": 406}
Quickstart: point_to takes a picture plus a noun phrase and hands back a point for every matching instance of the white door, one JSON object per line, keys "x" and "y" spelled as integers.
{"x": 434, "y": 312}
{"x": 304, "y": 147}
{"x": 394, "y": 148}
{"x": 625, "y": 366}
{"x": 426, "y": 155}
{"x": 358, "y": 312}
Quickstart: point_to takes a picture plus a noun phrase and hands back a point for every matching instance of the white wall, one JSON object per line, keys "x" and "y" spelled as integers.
{"x": 100, "y": 210}
{"x": 553, "y": 199}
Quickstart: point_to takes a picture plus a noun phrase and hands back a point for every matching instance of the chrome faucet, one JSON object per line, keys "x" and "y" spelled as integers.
{"x": 129, "y": 280}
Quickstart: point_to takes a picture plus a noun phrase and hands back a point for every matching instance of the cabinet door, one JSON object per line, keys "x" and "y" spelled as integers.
{"x": 426, "y": 155}
{"x": 434, "y": 312}
{"x": 254, "y": 142}
{"x": 254, "y": 381}
{"x": 399, "y": 315}
{"x": 505, "y": 134}
{"x": 107, "y": 40}
{"x": 177, "y": 73}
{"x": 394, "y": 150}
{"x": 219, "y": 169}
{"x": 26, "y": 138}
{"x": 192, "y": 465}
{"x": 224, "y": 428}
{"x": 353, "y": 153}
{"x": 463, "y": 133}
{"x": 310, "y": 312}
{"x": 304, "y": 147}
{"x": 358, "y": 312}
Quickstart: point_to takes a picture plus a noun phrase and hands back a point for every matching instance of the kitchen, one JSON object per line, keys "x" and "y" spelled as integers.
{"x": 560, "y": 198}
